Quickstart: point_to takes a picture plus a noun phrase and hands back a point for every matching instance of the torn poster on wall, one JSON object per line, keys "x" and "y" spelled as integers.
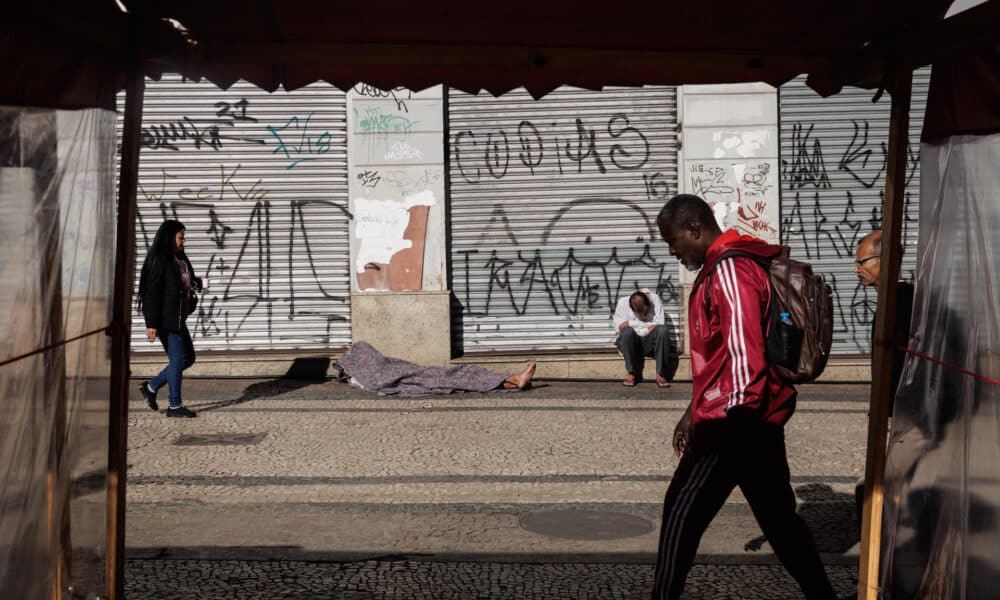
{"x": 743, "y": 194}
{"x": 391, "y": 236}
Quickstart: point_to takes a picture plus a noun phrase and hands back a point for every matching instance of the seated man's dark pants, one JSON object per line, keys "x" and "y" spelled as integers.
{"x": 635, "y": 347}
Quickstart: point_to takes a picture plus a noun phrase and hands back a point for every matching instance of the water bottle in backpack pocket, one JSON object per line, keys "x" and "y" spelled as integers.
{"x": 784, "y": 347}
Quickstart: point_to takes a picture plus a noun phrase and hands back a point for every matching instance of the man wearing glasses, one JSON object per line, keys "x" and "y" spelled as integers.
{"x": 867, "y": 266}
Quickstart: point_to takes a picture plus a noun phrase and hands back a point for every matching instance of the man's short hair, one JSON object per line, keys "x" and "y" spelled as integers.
{"x": 640, "y": 295}
{"x": 685, "y": 209}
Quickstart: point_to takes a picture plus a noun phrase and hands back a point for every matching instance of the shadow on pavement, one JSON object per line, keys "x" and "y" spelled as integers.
{"x": 829, "y": 515}
{"x": 303, "y": 372}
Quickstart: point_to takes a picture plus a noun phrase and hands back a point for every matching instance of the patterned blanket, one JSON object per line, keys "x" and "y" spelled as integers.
{"x": 374, "y": 372}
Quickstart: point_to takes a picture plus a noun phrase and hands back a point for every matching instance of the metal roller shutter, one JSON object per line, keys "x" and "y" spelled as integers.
{"x": 833, "y": 157}
{"x": 260, "y": 181}
{"x": 553, "y": 209}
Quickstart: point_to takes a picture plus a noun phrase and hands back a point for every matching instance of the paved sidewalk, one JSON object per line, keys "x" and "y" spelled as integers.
{"x": 311, "y": 481}
{"x": 414, "y": 580}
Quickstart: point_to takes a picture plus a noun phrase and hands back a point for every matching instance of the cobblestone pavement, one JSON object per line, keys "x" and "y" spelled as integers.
{"x": 309, "y": 481}
{"x": 413, "y": 580}
{"x": 332, "y": 468}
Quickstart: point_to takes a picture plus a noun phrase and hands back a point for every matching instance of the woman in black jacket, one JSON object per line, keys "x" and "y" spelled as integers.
{"x": 166, "y": 297}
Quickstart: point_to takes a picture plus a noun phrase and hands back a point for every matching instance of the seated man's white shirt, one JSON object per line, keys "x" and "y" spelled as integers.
{"x": 624, "y": 313}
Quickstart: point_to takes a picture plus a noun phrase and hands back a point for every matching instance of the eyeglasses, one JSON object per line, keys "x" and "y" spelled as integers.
{"x": 861, "y": 261}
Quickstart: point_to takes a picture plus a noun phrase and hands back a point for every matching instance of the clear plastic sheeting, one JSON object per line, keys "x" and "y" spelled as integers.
{"x": 941, "y": 519}
{"x": 56, "y": 267}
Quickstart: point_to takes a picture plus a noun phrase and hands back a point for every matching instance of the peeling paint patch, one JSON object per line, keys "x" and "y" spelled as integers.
{"x": 746, "y": 144}
{"x": 380, "y": 225}
{"x": 403, "y": 151}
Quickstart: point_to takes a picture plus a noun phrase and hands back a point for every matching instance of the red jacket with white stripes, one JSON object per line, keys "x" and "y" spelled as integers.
{"x": 728, "y": 318}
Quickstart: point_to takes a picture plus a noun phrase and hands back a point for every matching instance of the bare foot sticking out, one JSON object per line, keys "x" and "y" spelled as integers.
{"x": 629, "y": 381}
{"x": 661, "y": 381}
{"x": 522, "y": 380}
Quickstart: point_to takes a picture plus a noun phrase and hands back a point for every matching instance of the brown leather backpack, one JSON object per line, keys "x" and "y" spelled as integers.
{"x": 798, "y": 351}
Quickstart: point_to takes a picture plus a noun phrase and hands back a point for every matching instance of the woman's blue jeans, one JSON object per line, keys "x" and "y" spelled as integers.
{"x": 180, "y": 354}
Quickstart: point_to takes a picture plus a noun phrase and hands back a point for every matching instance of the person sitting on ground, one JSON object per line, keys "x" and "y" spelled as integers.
{"x": 366, "y": 368}
{"x": 640, "y": 325}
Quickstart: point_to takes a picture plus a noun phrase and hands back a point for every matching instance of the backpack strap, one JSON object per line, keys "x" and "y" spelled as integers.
{"x": 763, "y": 263}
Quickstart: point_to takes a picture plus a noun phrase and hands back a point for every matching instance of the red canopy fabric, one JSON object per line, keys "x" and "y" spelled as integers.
{"x": 539, "y": 45}
{"x": 964, "y": 96}
{"x": 65, "y": 52}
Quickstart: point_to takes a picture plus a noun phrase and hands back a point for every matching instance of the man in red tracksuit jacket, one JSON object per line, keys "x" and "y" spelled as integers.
{"x": 732, "y": 433}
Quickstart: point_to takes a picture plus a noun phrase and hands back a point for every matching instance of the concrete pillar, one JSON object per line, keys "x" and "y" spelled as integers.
{"x": 396, "y": 171}
{"x": 729, "y": 157}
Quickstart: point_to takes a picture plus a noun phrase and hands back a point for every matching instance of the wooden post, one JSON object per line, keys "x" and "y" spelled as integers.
{"x": 121, "y": 322}
{"x": 878, "y": 415}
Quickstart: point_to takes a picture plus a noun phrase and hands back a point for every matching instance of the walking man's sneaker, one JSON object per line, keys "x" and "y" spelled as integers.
{"x": 149, "y": 395}
{"x": 181, "y": 411}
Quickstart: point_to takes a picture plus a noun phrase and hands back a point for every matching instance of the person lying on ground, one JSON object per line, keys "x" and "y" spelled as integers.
{"x": 366, "y": 368}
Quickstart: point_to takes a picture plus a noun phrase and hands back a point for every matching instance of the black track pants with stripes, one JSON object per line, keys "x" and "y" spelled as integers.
{"x": 755, "y": 460}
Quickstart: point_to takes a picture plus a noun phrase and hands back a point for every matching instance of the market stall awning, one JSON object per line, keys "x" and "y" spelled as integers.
{"x": 537, "y": 45}
{"x": 475, "y": 46}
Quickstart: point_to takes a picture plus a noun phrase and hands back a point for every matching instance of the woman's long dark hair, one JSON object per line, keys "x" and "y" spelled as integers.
{"x": 162, "y": 249}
